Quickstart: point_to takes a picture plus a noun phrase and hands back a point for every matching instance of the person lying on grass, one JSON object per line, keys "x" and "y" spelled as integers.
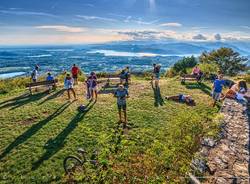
{"x": 121, "y": 94}
{"x": 68, "y": 84}
{"x": 182, "y": 99}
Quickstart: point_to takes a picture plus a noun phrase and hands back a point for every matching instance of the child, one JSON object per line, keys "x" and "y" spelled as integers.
{"x": 182, "y": 99}
{"x": 68, "y": 84}
{"x": 217, "y": 88}
{"x": 92, "y": 82}
{"x": 50, "y": 78}
{"x": 121, "y": 94}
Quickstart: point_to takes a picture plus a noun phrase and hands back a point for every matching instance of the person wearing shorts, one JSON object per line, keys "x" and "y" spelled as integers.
{"x": 75, "y": 72}
{"x": 68, "y": 84}
{"x": 217, "y": 89}
{"x": 122, "y": 94}
{"x": 92, "y": 81}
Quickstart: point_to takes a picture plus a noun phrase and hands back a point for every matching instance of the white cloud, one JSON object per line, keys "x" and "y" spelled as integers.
{"x": 62, "y": 28}
{"x": 171, "y": 24}
{"x": 141, "y": 22}
{"x": 86, "y": 17}
{"x": 12, "y": 12}
{"x": 245, "y": 27}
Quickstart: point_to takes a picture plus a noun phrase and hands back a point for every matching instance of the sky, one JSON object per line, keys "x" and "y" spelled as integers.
{"x": 32, "y": 22}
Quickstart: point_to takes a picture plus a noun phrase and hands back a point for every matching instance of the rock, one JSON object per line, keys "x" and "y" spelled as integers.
{"x": 208, "y": 142}
{"x": 199, "y": 165}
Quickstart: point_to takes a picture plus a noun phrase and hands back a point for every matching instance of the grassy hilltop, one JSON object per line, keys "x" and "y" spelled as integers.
{"x": 39, "y": 131}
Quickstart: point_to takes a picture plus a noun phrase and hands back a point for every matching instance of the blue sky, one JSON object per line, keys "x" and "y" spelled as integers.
{"x": 95, "y": 21}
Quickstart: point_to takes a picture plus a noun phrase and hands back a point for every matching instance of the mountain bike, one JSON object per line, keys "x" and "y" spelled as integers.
{"x": 77, "y": 163}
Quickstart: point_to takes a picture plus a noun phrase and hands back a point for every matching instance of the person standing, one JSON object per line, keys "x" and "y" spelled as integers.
{"x": 34, "y": 74}
{"x": 157, "y": 70}
{"x": 122, "y": 94}
{"x": 92, "y": 82}
{"x": 68, "y": 84}
{"x": 217, "y": 89}
{"x": 75, "y": 71}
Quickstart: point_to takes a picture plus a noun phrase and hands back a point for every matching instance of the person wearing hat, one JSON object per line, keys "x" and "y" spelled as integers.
{"x": 122, "y": 94}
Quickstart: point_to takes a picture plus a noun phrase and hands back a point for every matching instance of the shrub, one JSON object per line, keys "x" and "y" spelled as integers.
{"x": 209, "y": 69}
{"x": 182, "y": 66}
{"x": 229, "y": 62}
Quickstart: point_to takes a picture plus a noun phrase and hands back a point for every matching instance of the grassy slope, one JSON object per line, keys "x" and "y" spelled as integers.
{"x": 38, "y": 132}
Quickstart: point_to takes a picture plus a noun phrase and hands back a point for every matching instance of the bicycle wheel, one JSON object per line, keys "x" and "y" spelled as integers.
{"x": 72, "y": 164}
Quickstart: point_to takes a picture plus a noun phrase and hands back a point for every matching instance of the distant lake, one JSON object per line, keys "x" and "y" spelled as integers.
{"x": 21, "y": 61}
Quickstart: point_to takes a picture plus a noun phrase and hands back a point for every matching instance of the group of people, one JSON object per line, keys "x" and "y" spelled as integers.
{"x": 236, "y": 91}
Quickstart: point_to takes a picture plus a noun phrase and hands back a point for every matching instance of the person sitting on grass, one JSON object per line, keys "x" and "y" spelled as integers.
{"x": 92, "y": 82}
{"x": 217, "y": 88}
{"x": 50, "y": 78}
{"x": 182, "y": 99}
{"x": 68, "y": 84}
{"x": 122, "y": 94}
{"x": 237, "y": 91}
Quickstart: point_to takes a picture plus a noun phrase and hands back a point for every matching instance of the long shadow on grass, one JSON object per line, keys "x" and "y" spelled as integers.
{"x": 195, "y": 85}
{"x": 54, "y": 145}
{"x": 157, "y": 96}
{"x": 31, "y": 131}
{"x": 53, "y": 96}
{"x": 22, "y": 100}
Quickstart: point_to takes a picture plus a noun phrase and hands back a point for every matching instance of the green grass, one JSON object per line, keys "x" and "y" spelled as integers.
{"x": 38, "y": 132}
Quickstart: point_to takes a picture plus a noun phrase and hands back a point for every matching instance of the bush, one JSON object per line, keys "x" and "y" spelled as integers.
{"x": 209, "y": 69}
{"x": 8, "y": 85}
{"x": 182, "y": 66}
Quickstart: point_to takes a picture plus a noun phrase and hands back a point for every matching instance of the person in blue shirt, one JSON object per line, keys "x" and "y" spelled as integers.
{"x": 122, "y": 94}
{"x": 217, "y": 89}
{"x": 50, "y": 78}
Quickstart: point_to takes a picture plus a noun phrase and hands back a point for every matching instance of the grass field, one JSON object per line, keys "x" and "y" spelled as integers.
{"x": 39, "y": 131}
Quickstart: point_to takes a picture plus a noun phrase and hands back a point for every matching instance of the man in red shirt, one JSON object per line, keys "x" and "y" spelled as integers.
{"x": 75, "y": 72}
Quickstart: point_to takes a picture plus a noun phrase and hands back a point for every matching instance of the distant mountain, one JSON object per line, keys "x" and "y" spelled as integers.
{"x": 173, "y": 48}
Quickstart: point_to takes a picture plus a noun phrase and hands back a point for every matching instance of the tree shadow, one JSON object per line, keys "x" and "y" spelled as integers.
{"x": 22, "y": 100}
{"x": 53, "y": 96}
{"x": 203, "y": 87}
{"x": 157, "y": 96}
{"x": 33, "y": 130}
{"x": 54, "y": 145}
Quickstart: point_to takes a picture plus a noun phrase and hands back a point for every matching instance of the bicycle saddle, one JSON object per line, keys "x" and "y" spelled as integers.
{"x": 81, "y": 150}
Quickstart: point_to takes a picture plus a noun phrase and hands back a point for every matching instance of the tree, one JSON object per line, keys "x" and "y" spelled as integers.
{"x": 183, "y": 64}
{"x": 229, "y": 62}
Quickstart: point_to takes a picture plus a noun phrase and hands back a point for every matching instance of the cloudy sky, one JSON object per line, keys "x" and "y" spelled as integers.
{"x": 97, "y": 21}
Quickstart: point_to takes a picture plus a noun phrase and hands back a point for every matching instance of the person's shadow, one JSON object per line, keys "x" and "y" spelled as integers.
{"x": 54, "y": 145}
{"x": 157, "y": 96}
{"x": 33, "y": 130}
